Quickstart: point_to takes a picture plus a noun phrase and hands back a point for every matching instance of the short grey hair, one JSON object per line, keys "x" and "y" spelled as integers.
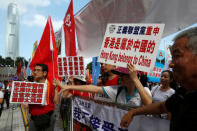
{"x": 191, "y": 34}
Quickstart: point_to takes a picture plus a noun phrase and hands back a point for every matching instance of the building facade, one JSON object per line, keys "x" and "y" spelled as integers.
{"x": 12, "y": 31}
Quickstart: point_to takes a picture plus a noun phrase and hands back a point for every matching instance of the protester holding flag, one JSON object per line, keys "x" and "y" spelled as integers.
{"x": 45, "y": 56}
{"x": 130, "y": 91}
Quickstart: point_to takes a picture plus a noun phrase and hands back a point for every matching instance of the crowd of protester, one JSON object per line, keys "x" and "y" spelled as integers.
{"x": 165, "y": 100}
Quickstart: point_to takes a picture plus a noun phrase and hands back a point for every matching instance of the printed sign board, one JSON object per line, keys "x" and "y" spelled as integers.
{"x": 28, "y": 92}
{"x": 131, "y": 43}
{"x": 161, "y": 55}
{"x": 70, "y": 66}
{"x": 155, "y": 75}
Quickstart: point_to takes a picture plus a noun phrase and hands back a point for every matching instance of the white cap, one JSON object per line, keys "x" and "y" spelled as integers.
{"x": 81, "y": 78}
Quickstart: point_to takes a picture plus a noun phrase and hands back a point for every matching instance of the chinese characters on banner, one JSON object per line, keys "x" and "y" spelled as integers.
{"x": 107, "y": 118}
{"x": 155, "y": 74}
{"x": 168, "y": 56}
{"x": 131, "y": 43}
{"x": 28, "y": 92}
{"x": 70, "y": 66}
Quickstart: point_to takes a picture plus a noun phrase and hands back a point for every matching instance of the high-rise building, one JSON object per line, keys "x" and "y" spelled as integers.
{"x": 12, "y": 31}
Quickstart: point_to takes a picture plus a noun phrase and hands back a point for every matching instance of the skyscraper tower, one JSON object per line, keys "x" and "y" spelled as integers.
{"x": 12, "y": 31}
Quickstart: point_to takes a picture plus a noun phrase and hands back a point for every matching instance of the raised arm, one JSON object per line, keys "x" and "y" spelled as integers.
{"x": 83, "y": 88}
{"x": 146, "y": 98}
{"x": 57, "y": 96}
{"x": 155, "y": 108}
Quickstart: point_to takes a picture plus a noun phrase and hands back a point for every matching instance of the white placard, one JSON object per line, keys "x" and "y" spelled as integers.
{"x": 28, "y": 92}
{"x": 131, "y": 43}
{"x": 70, "y": 66}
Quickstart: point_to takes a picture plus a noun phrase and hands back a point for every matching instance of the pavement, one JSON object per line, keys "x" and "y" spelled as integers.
{"x": 12, "y": 120}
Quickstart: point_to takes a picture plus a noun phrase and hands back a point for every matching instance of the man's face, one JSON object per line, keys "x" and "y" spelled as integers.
{"x": 184, "y": 63}
{"x": 38, "y": 73}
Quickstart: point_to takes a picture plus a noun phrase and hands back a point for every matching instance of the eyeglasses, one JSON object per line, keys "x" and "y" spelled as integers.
{"x": 38, "y": 70}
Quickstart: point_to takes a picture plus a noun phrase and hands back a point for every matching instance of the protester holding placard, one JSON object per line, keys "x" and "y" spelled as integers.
{"x": 182, "y": 105}
{"x": 130, "y": 91}
{"x": 41, "y": 115}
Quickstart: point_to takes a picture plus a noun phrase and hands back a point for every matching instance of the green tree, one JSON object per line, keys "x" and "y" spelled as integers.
{"x": 9, "y": 61}
{"x": 2, "y": 61}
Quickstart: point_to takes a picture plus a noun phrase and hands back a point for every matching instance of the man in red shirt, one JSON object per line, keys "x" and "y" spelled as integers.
{"x": 42, "y": 116}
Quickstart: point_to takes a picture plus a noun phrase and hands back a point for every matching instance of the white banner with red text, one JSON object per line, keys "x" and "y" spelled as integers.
{"x": 131, "y": 43}
{"x": 28, "y": 92}
{"x": 107, "y": 118}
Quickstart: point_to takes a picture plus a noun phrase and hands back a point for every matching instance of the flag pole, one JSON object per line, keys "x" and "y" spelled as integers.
{"x": 51, "y": 46}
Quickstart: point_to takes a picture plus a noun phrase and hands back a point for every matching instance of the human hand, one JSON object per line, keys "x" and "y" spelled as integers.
{"x": 70, "y": 80}
{"x": 126, "y": 120}
{"x": 25, "y": 105}
{"x": 56, "y": 82}
{"x": 132, "y": 71}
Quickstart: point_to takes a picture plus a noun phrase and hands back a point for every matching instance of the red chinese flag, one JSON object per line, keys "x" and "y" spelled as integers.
{"x": 43, "y": 55}
{"x": 69, "y": 31}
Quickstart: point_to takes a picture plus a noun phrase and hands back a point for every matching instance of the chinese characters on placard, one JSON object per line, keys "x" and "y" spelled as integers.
{"x": 28, "y": 92}
{"x": 131, "y": 43}
{"x": 70, "y": 66}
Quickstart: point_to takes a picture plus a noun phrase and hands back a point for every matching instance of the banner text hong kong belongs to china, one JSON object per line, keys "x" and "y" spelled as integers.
{"x": 131, "y": 43}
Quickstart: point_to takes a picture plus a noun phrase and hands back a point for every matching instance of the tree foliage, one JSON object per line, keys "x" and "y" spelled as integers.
{"x": 10, "y": 62}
